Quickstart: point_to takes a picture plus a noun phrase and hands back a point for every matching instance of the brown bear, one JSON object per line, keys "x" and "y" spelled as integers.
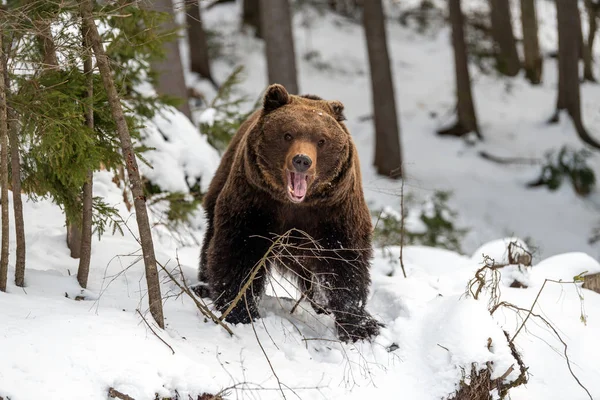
{"x": 291, "y": 165}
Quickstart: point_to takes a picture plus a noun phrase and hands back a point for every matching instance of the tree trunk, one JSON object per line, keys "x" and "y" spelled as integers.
{"x": 199, "y": 60}
{"x": 533, "y": 62}
{"x": 139, "y": 199}
{"x": 465, "y": 110}
{"x": 507, "y": 57}
{"x": 569, "y": 24}
{"x": 276, "y": 22}
{"x": 3, "y": 172}
{"x": 588, "y": 51}
{"x": 13, "y": 132}
{"x": 74, "y": 238}
{"x": 13, "y": 128}
{"x": 46, "y": 42}
{"x": 388, "y": 155}
{"x": 171, "y": 80}
{"x": 83, "y": 270}
{"x": 251, "y": 16}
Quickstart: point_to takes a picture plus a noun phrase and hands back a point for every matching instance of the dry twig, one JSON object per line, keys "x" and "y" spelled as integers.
{"x": 153, "y": 331}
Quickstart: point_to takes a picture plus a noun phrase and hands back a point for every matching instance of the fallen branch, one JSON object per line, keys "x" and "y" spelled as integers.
{"x": 264, "y": 352}
{"x": 549, "y": 325}
{"x": 115, "y": 394}
{"x": 202, "y": 307}
{"x": 509, "y": 160}
{"x": 402, "y": 227}
{"x": 153, "y": 331}
{"x": 261, "y": 264}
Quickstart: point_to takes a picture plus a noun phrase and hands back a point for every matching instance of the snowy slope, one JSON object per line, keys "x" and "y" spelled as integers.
{"x": 55, "y": 347}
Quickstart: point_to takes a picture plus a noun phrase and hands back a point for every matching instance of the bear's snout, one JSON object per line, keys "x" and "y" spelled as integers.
{"x": 301, "y": 162}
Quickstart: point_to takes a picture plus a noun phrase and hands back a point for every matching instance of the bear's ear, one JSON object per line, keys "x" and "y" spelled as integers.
{"x": 275, "y": 97}
{"x": 338, "y": 110}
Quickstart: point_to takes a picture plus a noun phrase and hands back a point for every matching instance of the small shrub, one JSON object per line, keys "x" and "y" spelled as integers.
{"x": 431, "y": 223}
{"x": 222, "y": 118}
{"x": 567, "y": 164}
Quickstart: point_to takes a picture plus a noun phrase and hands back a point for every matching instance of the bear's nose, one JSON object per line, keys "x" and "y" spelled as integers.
{"x": 301, "y": 162}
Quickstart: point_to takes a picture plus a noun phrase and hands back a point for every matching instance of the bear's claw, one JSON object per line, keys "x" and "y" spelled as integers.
{"x": 357, "y": 328}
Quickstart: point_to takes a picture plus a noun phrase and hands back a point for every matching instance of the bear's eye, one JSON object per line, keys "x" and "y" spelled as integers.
{"x": 287, "y": 137}
{"x": 321, "y": 142}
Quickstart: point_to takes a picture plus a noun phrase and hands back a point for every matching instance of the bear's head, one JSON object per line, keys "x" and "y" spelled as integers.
{"x": 300, "y": 150}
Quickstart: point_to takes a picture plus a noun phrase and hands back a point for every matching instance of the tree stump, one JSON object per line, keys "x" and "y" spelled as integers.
{"x": 592, "y": 282}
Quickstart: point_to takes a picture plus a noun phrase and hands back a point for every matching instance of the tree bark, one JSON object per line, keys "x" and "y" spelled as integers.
{"x": 139, "y": 199}
{"x": 388, "y": 155}
{"x": 171, "y": 80}
{"x": 85, "y": 252}
{"x": 592, "y": 282}
{"x": 46, "y": 42}
{"x": 276, "y": 22}
{"x": 251, "y": 16}
{"x": 74, "y": 238}
{"x": 507, "y": 57}
{"x": 13, "y": 138}
{"x": 588, "y": 51}
{"x": 533, "y": 62}
{"x": 13, "y": 128}
{"x": 3, "y": 172}
{"x": 465, "y": 109}
{"x": 569, "y": 29}
{"x": 199, "y": 60}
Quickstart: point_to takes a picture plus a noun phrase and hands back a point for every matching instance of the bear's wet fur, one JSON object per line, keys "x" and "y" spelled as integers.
{"x": 291, "y": 165}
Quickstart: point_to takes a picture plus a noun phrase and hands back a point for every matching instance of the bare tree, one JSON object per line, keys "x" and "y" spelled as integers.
{"x": 569, "y": 30}
{"x": 13, "y": 129}
{"x": 533, "y": 62}
{"x": 388, "y": 154}
{"x": 251, "y": 16}
{"x": 3, "y": 172}
{"x": 139, "y": 200}
{"x": 276, "y": 25}
{"x": 13, "y": 137}
{"x": 465, "y": 110}
{"x": 593, "y": 11}
{"x": 171, "y": 80}
{"x": 200, "y": 62}
{"x": 507, "y": 57}
{"x": 85, "y": 253}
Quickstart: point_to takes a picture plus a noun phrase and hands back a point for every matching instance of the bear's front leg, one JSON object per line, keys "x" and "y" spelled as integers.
{"x": 346, "y": 286}
{"x": 237, "y": 247}
{"x": 343, "y": 276}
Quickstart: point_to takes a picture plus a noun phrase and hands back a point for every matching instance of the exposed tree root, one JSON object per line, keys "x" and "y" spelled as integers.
{"x": 478, "y": 385}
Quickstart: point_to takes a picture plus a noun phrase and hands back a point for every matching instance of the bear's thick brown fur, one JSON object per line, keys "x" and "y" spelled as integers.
{"x": 291, "y": 165}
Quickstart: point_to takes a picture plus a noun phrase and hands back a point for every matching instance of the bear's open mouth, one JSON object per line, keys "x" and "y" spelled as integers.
{"x": 297, "y": 186}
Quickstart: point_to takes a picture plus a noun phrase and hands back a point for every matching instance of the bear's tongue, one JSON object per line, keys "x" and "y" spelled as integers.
{"x": 299, "y": 184}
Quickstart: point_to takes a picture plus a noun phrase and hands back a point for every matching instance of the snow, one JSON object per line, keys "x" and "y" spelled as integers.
{"x": 59, "y": 348}
{"x": 181, "y": 155}
{"x": 53, "y": 346}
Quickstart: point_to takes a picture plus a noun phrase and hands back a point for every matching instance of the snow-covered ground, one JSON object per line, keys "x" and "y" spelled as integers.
{"x": 54, "y": 347}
